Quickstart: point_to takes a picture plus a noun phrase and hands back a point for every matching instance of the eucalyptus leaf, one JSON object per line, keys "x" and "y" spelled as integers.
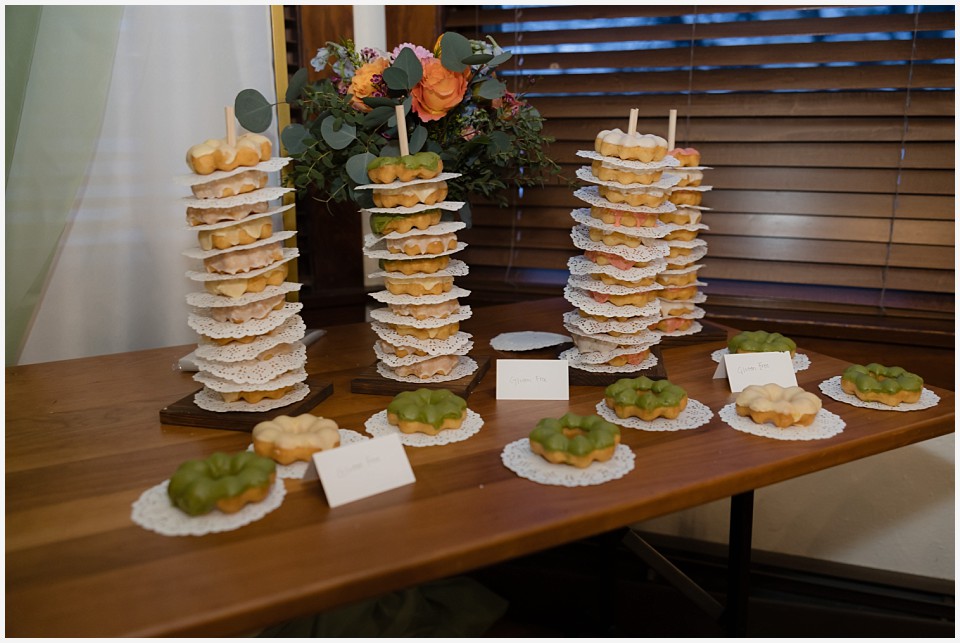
{"x": 356, "y": 167}
{"x": 500, "y": 58}
{"x": 500, "y": 141}
{"x": 477, "y": 59}
{"x": 296, "y": 85}
{"x": 378, "y": 116}
{"x": 411, "y": 66}
{"x": 379, "y": 101}
{"x": 417, "y": 139}
{"x": 397, "y": 79}
{"x": 337, "y": 138}
{"x": 253, "y": 111}
{"x": 294, "y": 138}
{"x": 454, "y": 48}
{"x": 490, "y": 89}
{"x": 390, "y": 149}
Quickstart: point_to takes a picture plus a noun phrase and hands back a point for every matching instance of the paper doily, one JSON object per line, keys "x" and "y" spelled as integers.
{"x": 256, "y": 371}
{"x": 393, "y": 361}
{"x": 248, "y": 198}
{"x": 296, "y": 470}
{"x": 825, "y": 425}
{"x": 592, "y": 196}
{"x": 210, "y": 401}
{"x": 274, "y": 164}
{"x": 518, "y": 457}
{"x": 385, "y": 316}
{"x": 695, "y": 328}
{"x": 831, "y": 388}
{"x": 444, "y": 227}
{"x": 378, "y": 426}
{"x": 648, "y": 250}
{"x": 666, "y": 162}
{"x": 153, "y": 511}
{"x": 580, "y": 265}
{"x": 387, "y": 297}
{"x": 695, "y": 415}
{"x": 197, "y": 253}
{"x": 573, "y": 356}
{"x": 658, "y": 231}
{"x": 288, "y": 332}
{"x": 696, "y": 254}
{"x": 590, "y": 326}
{"x": 448, "y": 346}
{"x": 586, "y": 303}
{"x": 450, "y": 206}
{"x": 286, "y": 378}
{"x": 222, "y": 330}
{"x": 800, "y": 361}
{"x": 586, "y": 282}
{"x": 466, "y": 366}
{"x": 456, "y": 268}
{"x": 233, "y": 222}
{"x": 443, "y": 176}
{"x": 207, "y": 300}
{"x": 585, "y": 173}
{"x": 527, "y": 340}
{"x": 639, "y": 340}
{"x": 288, "y": 254}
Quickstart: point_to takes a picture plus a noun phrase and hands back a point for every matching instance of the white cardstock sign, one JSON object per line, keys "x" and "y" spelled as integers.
{"x": 363, "y": 469}
{"x": 744, "y": 369}
{"x": 533, "y": 379}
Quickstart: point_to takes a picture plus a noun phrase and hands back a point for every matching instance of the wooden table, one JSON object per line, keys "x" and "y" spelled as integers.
{"x": 83, "y": 441}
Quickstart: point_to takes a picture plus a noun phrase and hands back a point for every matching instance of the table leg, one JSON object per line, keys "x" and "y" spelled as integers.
{"x": 734, "y": 618}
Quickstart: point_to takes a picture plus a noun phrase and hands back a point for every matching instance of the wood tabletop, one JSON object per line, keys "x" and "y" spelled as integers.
{"x": 83, "y": 442}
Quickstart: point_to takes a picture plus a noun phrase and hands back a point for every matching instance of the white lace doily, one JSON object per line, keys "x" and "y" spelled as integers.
{"x": 466, "y": 366}
{"x": 154, "y": 511}
{"x": 580, "y": 265}
{"x": 378, "y": 426}
{"x": 648, "y": 250}
{"x": 527, "y": 340}
{"x": 667, "y": 161}
{"x": 378, "y": 252}
{"x": 684, "y": 270}
{"x": 246, "y": 219}
{"x": 387, "y": 297}
{"x": 287, "y": 378}
{"x": 639, "y": 340}
{"x": 450, "y": 206}
{"x": 693, "y": 243}
{"x": 831, "y": 388}
{"x": 586, "y": 303}
{"x": 256, "y": 371}
{"x": 800, "y": 361}
{"x": 449, "y": 346}
{"x": 695, "y": 415}
{"x": 210, "y": 401}
{"x": 274, "y": 164}
{"x": 197, "y": 253}
{"x": 248, "y": 198}
{"x": 455, "y": 268}
{"x": 391, "y": 360}
{"x": 825, "y": 425}
{"x": 585, "y": 173}
{"x": 443, "y": 176}
{"x": 591, "y": 326}
{"x": 223, "y": 330}
{"x": 296, "y": 470}
{"x": 592, "y": 196}
{"x": 698, "y": 298}
{"x": 694, "y": 312}
{"x": 695, "y": 328}
{"x": 385, "y": 316}
{"x": 288, "y": 254}
{"x": 586, "y": 282}
{"x": 588, "y": 357}
{"x": 444, "y": 227}
{"x": 518, "y": 457}
{"x": 573, "y": 356}
{"x": 692, "y": 188}
{"x": 207, "y": 300}
{"x": 288, "y": 332}
{"x": 658, "y": 231}
{"x": 696, "y": 254}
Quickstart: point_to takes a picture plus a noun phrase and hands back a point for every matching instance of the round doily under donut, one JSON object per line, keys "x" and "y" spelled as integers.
{"x": 648, "y": 250}
{"x": 527, "y": 340}
{"x": 288, "y": 378}
{"x": 296, "y": 470}
{"x": 288, "y": 332}
{"x": 573, "y": 356}
{"x": 657, "y": 231}
{"x": 695, "y": 415}
{"x": 448, "y": 346}
{"x": 456, "y": 268}
{"x": 580, "y": 265}
{"x": 443, "y": 176}
{"x": 393, "y": 361}
{"x": 450, "y": 206}
{"x": 387, "y": 297}
{"x": 465, "y": 366}
{"x": 696, "y": 254}
{"x": 256, "y": 371}
{"x": 831, "y": 388}
{"x": 444, "y": 227}
{"x": 379, "y": 251}
{"x": 248, "y": 198}
{"x": 198, "y": 253}
{"x": 825, "y": 425}
{"x": 695, "y": 328}
{"x": 592, "y": 196}
{"x": 645, "y": 339}
{"x": 586, "y": 282}
{"x": 586, "y": 303}
{"x": 210, "y": 401}
{"x": 800, "y": 361}
{"x": 274, "y": 164}
{"x": 288, "y": 254}
{"x": 585, "y": 173}
{"x": 666, "y": 162}
{"x": 694, "y": 313}
{"x": 684, "y": 270}
{"x": 233, "y": 222}
{"x": 518, "y": 457}
{"x": 385, "y": 316}
{"x": 222, "y": 330}
{"x": 598, "y": 358}
{"x": 153, "y": 511}
{"x": 378, "y": 426}
{"x": 207, "y": 300}
{"x": 591, "y": 326}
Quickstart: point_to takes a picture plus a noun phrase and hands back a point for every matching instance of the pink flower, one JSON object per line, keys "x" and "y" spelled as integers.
{"x": 421, "y": 53}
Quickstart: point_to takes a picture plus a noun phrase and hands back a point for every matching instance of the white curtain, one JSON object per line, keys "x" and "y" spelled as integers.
{"x": 116, "y": 279}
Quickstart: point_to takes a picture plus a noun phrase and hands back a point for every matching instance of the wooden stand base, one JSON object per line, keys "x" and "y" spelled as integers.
{"x": 185, "y": 412}
{"x": 370, "y": 382}
{"x": 587, "y": 378}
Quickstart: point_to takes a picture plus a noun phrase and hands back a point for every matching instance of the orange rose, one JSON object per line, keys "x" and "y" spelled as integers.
{"x": 438, "y": 91}
{"x": 368, "y": 81}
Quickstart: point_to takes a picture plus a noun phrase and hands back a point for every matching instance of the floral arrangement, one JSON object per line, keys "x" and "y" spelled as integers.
{"x": 454, "y": 104}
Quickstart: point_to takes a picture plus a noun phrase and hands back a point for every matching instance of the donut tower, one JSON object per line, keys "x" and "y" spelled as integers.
{"x": 419, "y": 329}
{"x": 636, "y": 279}
{"x": 249, "y": 354}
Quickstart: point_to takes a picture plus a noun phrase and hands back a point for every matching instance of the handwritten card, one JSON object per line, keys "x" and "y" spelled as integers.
{"x": 533, "y": 379}
{"x": 363, "y": 469}
{"x": 744, "y": 369}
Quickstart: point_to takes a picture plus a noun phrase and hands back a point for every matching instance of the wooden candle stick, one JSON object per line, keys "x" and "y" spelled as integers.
{"x": 632, "y": 129}
{"x": 402, "y": 131}
{"x": 231, "y": 126}
{"x": 672, "y": 130}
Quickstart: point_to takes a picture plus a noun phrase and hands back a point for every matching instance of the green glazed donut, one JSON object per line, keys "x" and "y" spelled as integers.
{"x": 760, "y": 341}
{"x": 428, "y": 160}
{"x": 226, "y": 482}
{"x": 426, "y": 410}
{"x": 575, "y": 439}
{"x": 646, "y": 399}
{"x": 874, "y": 382}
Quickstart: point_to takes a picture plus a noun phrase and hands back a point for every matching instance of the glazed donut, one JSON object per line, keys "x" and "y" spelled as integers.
{"x": 677, "y": 279}
{"x": 221, "y": 481}
{"x": 411, "y": 195}
{"x": 216, "y": 154}
{"x": 246, "y": 312}
{"x": 382, "y": 223}
{"x": 624, "y": 176}
{"x": 613, "y": 281}
{"x": 426, "y": 311}
{"x": 685, "y": 197}
{"x": 760, "y": 341}
{"x": 412, "y": 266}
{"x": 678, "y": 292}
{"x": 254, "y": 396}
{"x": 236, "y": 235}
{"x": 672, "y": 325}
{"x": 439, "y": 365}
{"x": 633, "y": 299}
{"x": 615, "y": 217}
{"x": 780, "y": 406}
{"x": 646, "y": 399}
{"x": 231, "y": 186}
{"x": 888, "y": 385}
{"x": 422, "y": 165}
{"x": 682, "y": 216}
{"x": 573, "y": 439}
{"x": 244, "y": 260}
{"x": 399, "y": 351}
{"x": 207, "y": 216}
{"x": 615, "y": 238}
{"x": 236, "y": 287}
{"x": 688, "y": 156}
{"x": 611, "y": 259}
{"x": 647, "y": 198}
{"x": 418, "y": 286}
{"x": 646, "y": 148}
{"x": 286, "y": 439}
{"x": 422, "y": 244}
{"x": 440, "y": 332}
{"x": 427, "y": 411}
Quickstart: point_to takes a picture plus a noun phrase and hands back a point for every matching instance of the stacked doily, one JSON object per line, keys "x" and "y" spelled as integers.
{"x": 419, "y": 328}
{"x": 249, "y": 353}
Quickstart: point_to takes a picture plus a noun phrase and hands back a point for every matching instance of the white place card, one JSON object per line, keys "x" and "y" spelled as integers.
{"x": 533, "y": 379}
{"x": 364, "y": 469}
{"x": 744, "y": 369}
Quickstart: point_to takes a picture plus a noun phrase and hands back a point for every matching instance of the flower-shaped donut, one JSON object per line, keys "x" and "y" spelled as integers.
{"x": 288, "y": 439}
{"x": 427, "y": 411}
{"x": 888, "y": 385}
{"x": 222, "y": 481}
{"x": 216, "y": 154}
{"x": 646, "y": 399}
{"x": 646, "y": 148}
{"x": 760, "y": 341}
{"x": 780, "y": 406}
{"x": 575, "y": 439}
{"x": 385, "y": 223}
{"x": 422, "y": 165}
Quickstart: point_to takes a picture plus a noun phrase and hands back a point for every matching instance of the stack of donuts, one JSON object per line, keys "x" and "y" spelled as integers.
{"x": 249, "y": 354}
{"x": 637, "y": 260}
{"x": 419, "y": 329}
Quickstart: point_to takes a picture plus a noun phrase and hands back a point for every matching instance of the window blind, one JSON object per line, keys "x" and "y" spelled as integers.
{"x": 830, "y": 131}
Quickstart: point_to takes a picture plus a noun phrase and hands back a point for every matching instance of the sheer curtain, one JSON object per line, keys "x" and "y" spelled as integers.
{"x": 113, "y": 278}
